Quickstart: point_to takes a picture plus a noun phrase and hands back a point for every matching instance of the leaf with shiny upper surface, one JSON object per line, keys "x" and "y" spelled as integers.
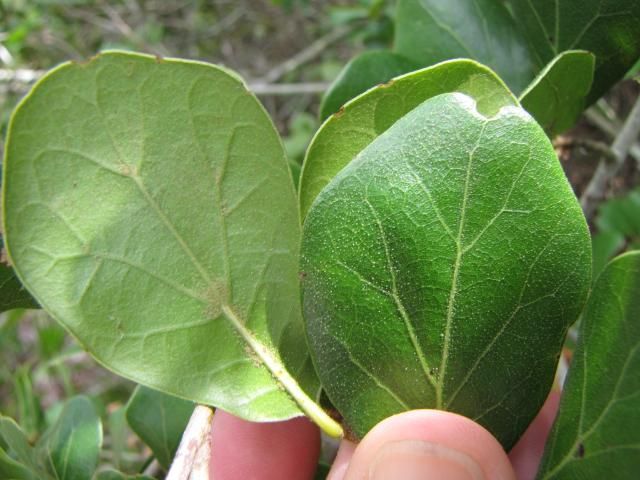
{"x": 597, "y": 431}
{"x": 430, "y": 31}
{"x": 72, "y": 445}
{"x": 557, "y": 96}
{"x": 12, "y": 293}
{"x": 366, "y": 117}
{"x": 607, "y": 29}
{"x": 159, "y": 420}
{"x": 361, "y": 73}
{"x": 149, "y": 208}
{"x": 442, "y": 268}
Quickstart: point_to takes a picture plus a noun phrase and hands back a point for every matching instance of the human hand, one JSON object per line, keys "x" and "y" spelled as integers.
{"x": 418, "y": 444}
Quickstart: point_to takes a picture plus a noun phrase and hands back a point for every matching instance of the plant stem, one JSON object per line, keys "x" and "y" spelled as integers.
{"x": 195, "y": 435}
{"x": 606, "y": 170}
{"x": 274, "y": 365}
{"x": 308, "y": 54}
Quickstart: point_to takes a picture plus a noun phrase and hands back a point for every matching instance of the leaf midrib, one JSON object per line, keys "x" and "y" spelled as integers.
{"x": 456, "y": 271}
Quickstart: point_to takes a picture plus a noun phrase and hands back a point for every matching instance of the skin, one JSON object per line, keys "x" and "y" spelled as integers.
{"x": 433, "y": 443}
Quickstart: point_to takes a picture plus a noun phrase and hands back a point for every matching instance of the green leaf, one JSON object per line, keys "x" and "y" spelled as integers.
{"x": 12, "y": 293}
{"x": 634, "y": 72}
{"x": 72, "y": 446}
{"x": 360, "y": 74}
{"x": 29, "y": 411}
{"x": 14, "y": 470}
{"x": 597, "y": 430}
{"x": 430, "y": 31}
{"x": 442, "y": 268}
{"x": 302, "y": 126}
{"x": 118, "y": 434}
{"x": 361, "y": 120}
{"x": 150, "y": 209}
{"x": 159, "y": 420}
{"x": 621, "y": 215}
{"x": 557, "y": 96}
{"x": 16, "y": 454}
{"x": 618, "y": 228}
{"x": 607, "y": 29}
{"x": 605, "y": 245}
{"x": 115, "y": 475}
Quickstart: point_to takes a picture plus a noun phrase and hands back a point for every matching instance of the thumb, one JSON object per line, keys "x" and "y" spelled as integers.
{"x": 428, "y": 444}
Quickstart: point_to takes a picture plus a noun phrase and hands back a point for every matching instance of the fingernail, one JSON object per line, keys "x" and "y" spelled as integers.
{"x": 418, "y": 460}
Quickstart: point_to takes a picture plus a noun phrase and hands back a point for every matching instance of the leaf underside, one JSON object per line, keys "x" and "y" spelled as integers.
{"x": 149, "y": 208}
{"x": 361, "y": 120}
{"x": 442, "y": 268}
{"x": 597, "y": 430}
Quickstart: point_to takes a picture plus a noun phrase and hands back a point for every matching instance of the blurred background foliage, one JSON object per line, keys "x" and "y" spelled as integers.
{"x": 289, "y": 51}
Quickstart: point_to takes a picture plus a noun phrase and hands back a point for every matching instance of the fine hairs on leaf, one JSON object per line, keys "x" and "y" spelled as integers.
{"x": 428, "y": 263}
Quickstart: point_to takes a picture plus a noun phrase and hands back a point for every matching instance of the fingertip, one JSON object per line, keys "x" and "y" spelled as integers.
{"x": 275, "y": 450}
{"x": 420, "y": 443}
{"x": 525, "y": 456}
{"x": 342, "y": 460}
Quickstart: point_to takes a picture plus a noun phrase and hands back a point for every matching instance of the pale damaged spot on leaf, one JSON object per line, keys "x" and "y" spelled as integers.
{"x": 128, "y": 170}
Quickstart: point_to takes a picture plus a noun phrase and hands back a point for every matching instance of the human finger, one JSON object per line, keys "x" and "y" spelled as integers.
{"x": 245, "y": 450}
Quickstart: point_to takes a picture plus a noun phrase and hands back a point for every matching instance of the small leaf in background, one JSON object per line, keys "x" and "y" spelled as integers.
{"x": 117, "y": 435}
{"x": 442, "y": 268}
{"x": 557, "y": 96}
{"x": 159, "y": 420}
{"x": 430, "y": 31}
{"x": 344, "y": 135}
{"x": 115, "y": 475}
{"x": 618, "y": 228}
{"x": 607, "y": 29}
{"x": 12, "y": 293}
{"x": 597, "y": 431}
{"x": 605, "y": 245}
{"x": 634, "y": 72}
{"x": 14, "y": 470}
{"x": 51, "y": 339}
{"x": 72, "y": 446}
{"x": 622, "y": 215}
{"x": 361, "y": 73}
{"x": 16, "y": 454}
{"x": 150, "y": 208}
{"x": 30, "y": 415}
{"x": 302, "y": 126}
